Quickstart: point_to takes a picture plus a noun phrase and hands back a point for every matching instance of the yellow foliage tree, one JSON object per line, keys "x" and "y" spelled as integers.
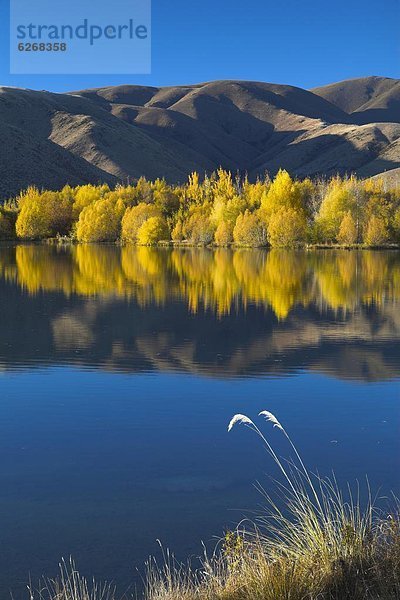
{"x": 249, "y": 230}
{"x": 198, "y": 228}
{"x": 252, "y": 193}
{"x": 396, "y": 224}
{"x": 287, "y": 227}
{"x": 194, "y": 191}
{"x": 101, "y": 221}
{"x": 43, "y": 214}
{"x": 283, "y": 192}
{"x": 134, "y": 218}
{"x": 177, "y": 232}
{"x": 85, "y": 195}
{"x": 348, "y": 231}
{"x": 223, "y": 185}
{"x": 340, "y": 209}
{"x": 376, "y": 232}
{"x": 223, "y": 234}
{"x": 337, "y": 202}
{"x": 153, "y": 230}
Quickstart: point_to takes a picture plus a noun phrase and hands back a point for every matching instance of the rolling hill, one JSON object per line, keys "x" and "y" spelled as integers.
{"x": 119, "y": 133}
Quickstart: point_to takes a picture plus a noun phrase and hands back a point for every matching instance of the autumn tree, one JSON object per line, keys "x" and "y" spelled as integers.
{"x": 153, "y": 230}
{"x": 252, "y": 193}
{"x": 283, "y": 192}
{"x": 375, "y": 232}
{"x": 195, "y": 192}
{"x": 224, "y": 213}
{"x": 287, "y": 227}
{"x": 100, "y": 221}
{"x": 337, "y": 202}
{"x": 43, "y": 214}
{"x": 396, "y": 224}
{"x": 197, "y": 227}
{"x": 223, "y": 186}
{"x": 218, "y": 208}
{"x": 223, "y": 234}
{"x": 177, "y": 232}
{"x": 348, "y": 231}
{"x": 143, "y": 192}
{"x": 164, "y": 198}
{"x": 249, "y": 230}
{"x": 134, "y": 218}
{"x": 85, "y": 195}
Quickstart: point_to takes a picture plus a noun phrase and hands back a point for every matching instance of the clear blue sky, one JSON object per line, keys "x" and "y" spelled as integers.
{"x": 300, "y": 42}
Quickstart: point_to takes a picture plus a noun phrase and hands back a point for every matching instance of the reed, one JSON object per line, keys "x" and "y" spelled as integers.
{"x": 312, "y": 543}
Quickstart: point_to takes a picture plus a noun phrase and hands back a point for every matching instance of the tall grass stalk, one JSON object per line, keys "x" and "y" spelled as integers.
{"x": 71, "y": 585}
{"x": 314, "y": 543}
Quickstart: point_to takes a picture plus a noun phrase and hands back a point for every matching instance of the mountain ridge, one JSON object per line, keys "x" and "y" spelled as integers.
{"x": 118, "y": 133}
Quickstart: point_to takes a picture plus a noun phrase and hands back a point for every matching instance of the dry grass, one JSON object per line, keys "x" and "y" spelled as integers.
{"x": 70, "y": 585}
{"x": 319, "y": 546}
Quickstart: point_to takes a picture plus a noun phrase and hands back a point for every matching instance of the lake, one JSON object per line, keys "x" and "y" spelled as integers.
{"x": 120, "y": 369}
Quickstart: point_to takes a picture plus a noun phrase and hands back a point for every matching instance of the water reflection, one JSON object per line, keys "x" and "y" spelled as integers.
{"x": 224, "y": 313}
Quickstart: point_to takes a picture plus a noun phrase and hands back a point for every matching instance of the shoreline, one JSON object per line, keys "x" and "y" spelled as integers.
{"x": 186, "y": 244}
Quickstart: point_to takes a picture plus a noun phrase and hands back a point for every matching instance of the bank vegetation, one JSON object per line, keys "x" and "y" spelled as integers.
{"x": 218, "y": 210}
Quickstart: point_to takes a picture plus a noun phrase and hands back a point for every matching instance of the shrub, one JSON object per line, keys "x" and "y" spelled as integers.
{"x": 152, "y": 231}
{"x": 287, "y": 227}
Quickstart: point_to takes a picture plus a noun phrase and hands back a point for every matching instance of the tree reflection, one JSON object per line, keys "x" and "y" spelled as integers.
{"x": 221, "y": 281}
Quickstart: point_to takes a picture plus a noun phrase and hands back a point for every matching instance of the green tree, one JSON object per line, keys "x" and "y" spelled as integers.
{"x": 8, "y": 217}
{"x": 164, "y": 198}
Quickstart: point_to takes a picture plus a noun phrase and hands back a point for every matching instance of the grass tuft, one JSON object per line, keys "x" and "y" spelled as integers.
{"x": 312, "y": 544}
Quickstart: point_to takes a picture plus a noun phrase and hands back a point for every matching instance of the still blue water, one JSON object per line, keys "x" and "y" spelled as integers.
{"x": 114, "y": 403}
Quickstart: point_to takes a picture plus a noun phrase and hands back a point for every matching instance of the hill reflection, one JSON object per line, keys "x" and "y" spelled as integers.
{"x": 221, "y": 313}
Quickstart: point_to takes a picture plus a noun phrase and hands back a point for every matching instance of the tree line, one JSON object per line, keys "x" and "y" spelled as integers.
{"x": 220, "y": 209}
